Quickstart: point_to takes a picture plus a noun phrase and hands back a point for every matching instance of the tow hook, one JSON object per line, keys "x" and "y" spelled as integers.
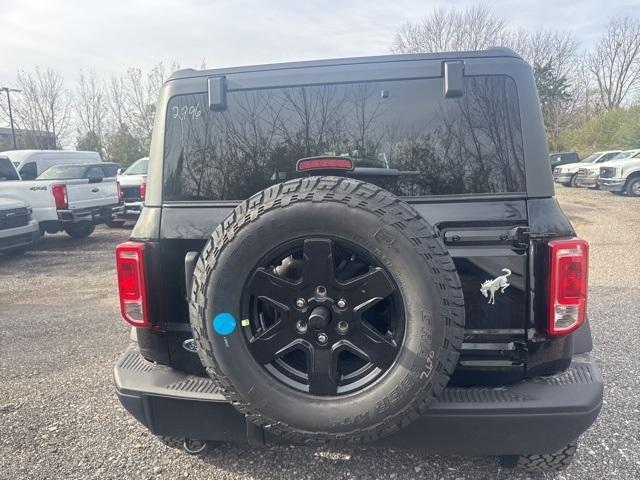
{"x": 193, "y": 446}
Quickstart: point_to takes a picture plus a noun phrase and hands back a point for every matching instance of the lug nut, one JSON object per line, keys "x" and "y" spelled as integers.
{"x": 323, "y": 338}
{"x": 301, "y": 327}
{"x": 300, "y": 303}
{"x": 342, "y": 327}
{"x": 321, "y": 291}
{"x": 342, "y": 303}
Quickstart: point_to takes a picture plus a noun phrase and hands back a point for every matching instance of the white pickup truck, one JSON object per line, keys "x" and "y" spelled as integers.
{"x": 588, "y": 176}
{"x": 621, "y": 177}
{"x": 70, "y": 198}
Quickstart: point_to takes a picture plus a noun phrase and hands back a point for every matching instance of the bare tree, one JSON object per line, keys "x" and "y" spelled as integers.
{"x": 91, "y": 111}
{"x": 42, "y": 108}
{"x": 116, "y": 102}
{"x": 553, "y": 56}
{"x": 473, "y": 28}
{"x": 615, "y": 61}
{"x": 558, "y": 48}
{"x": 134, "y": 99}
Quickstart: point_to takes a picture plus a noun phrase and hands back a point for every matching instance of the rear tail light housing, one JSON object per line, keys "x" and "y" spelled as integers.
{"x": 59, "y": 192}
{"x": 132, "y": 285}
{"x": 324, "y": 163}
{"x": 120, "y": 195}
{"x": 569, "y": 270}
{"x": 143, "y": 190}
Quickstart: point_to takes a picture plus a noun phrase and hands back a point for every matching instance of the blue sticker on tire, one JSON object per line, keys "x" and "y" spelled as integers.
{"x": 224, "y": 324}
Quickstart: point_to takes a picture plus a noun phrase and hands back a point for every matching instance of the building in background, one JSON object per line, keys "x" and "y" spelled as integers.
{"x": 26, "y": 139}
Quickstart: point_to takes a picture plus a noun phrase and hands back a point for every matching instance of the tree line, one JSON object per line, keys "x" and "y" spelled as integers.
{"x": 589, "y": 98}
{"x": 113, "y": 117}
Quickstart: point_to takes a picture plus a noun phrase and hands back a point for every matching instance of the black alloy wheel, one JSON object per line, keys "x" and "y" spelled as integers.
{"x": 324, "y": 316}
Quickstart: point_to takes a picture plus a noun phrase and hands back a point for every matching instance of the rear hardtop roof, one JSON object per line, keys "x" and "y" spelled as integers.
{"x": 497, "y": 52}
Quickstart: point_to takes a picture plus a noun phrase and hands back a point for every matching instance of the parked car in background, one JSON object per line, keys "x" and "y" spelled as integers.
{"x": 18, "y": 229}
{"x": 588, "y": 175}
{"x": 31, "y": 163}
{"x": 133, "y": 185}
{"x": 563, "y": 158}
{"x": 567, "y": 175}
{"x": 621, "y": 176}
{"x": 69, "y": 198}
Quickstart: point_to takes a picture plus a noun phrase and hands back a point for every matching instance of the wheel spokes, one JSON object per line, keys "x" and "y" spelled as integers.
{"x": 273, "y": 342}
{"x": 368, "y": 289}
{"x": 322, "y": 371}
{"x": 278, "y": 291}
{"x": 318, "y": 257}
{"x": 378, "y": 349}
{"x": 355, "y": 340}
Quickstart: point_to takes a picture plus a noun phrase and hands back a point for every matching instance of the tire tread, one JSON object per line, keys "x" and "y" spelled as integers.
{"x": 392, "y": 212}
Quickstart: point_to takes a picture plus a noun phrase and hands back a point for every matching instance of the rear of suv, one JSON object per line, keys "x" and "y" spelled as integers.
{"x": 358, "y": 251}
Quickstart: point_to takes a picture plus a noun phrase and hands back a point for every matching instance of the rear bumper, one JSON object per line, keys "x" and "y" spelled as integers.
{"x": 539, "y": 415}
{"x": 131, "y": 209}
{"x": 612, "y": 184}
{"x": 92, "y": 214}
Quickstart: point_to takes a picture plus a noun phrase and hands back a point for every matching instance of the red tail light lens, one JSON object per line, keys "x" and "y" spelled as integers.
{"x": 143, "y": 190}
{"x": 324, "y": 163}
{"x": 120, "y": 196}
{"x": 569, "y": 269}
{"x": 60, "y": 196}
{"x": 131, "y": 283}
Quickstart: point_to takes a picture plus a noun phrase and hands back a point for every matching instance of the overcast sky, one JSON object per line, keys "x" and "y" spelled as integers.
{"x": 109, "y": 36}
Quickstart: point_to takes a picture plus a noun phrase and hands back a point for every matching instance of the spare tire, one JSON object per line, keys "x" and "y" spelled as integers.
{"x": 328, "y": 310}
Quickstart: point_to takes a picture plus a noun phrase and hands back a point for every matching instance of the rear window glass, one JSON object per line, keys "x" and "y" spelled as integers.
{"x": 419, "y": 142}
{"x": 63, "y": 172}
{"x": 110, "y": 170}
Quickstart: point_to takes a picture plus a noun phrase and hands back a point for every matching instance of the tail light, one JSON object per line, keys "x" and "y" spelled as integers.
{"x": 60, "y": 196}
{"x": 120, "y": 195}
{"x": 324, "y": 163}
{"x": 569, "y": 269}
{"x": 143, "y": 190}
{"x": 132, "y": 284}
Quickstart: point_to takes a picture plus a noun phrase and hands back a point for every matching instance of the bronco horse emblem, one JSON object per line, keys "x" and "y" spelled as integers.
{"x": 490, "y": 287}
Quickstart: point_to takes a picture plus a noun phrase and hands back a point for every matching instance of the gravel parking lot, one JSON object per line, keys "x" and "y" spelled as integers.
{"x": 60, "y": 334}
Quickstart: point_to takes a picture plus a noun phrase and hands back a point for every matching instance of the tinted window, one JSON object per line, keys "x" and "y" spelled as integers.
{"x": 110, "y": 170}
{"x": 95, "y": 172}
{"x": 430, "y": 145}
{"x": 29, "y": 171}
{"x": 7, "y": 171}
{"x": 63, "y": 172}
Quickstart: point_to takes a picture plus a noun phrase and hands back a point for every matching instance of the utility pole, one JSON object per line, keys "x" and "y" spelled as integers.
{"x": 13, "y": 130}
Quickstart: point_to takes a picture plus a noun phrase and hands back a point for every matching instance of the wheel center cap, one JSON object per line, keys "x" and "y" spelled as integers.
{"x": 320, "y": 317}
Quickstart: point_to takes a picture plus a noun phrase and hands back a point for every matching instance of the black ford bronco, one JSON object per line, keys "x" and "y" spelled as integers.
{"x": 358, "y": 251}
